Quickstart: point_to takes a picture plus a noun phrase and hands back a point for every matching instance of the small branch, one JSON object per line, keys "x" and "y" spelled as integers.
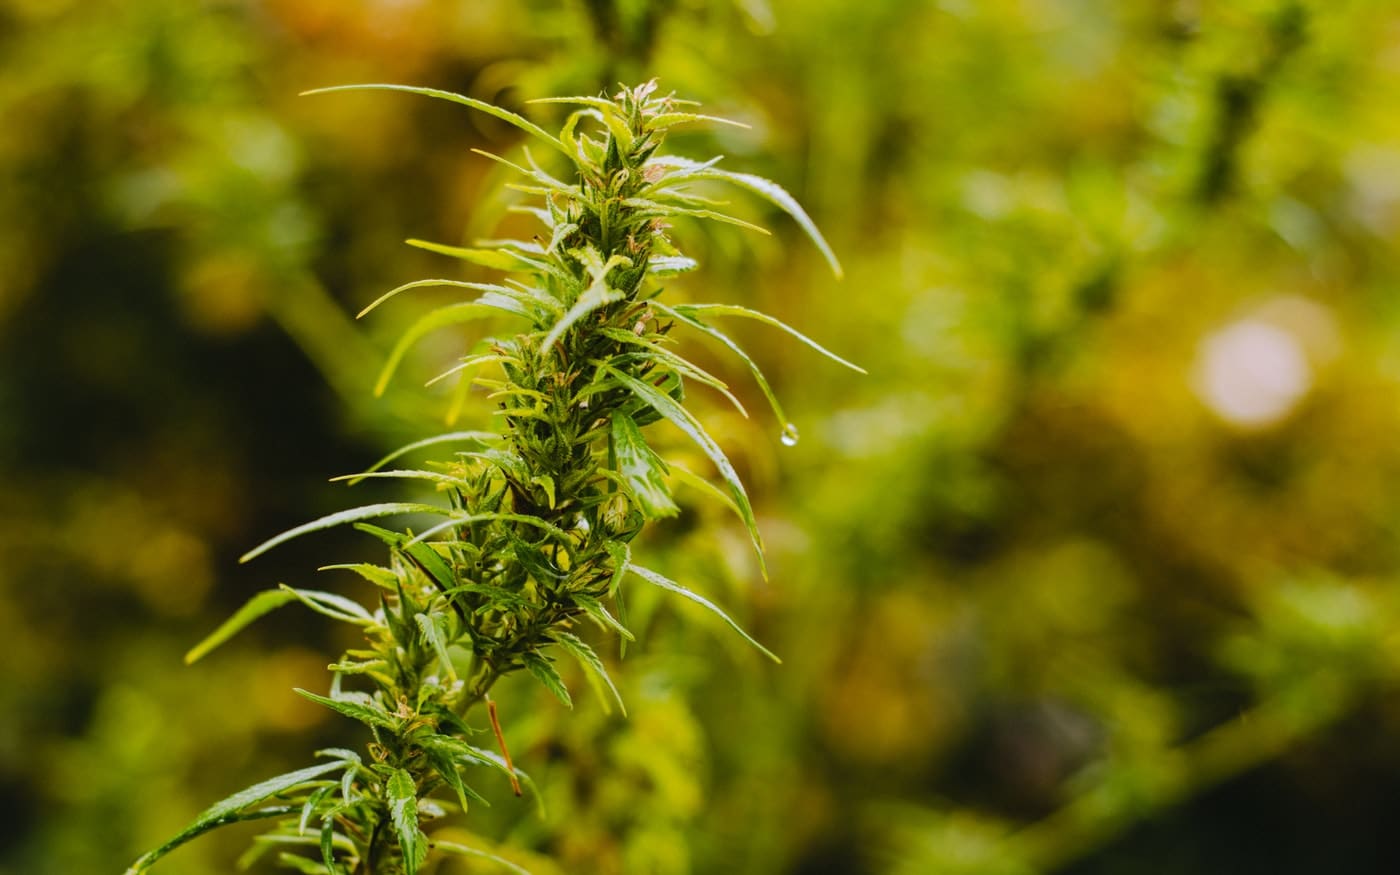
{"x": 501, "y": 740}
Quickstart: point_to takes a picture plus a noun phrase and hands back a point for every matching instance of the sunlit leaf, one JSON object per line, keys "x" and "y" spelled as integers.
{"x": 546, "y": 674}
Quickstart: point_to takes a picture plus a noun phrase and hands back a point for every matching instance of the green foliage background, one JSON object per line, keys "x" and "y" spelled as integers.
{"x": 1042, "y": 606}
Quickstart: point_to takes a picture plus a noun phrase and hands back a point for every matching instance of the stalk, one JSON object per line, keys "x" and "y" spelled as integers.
{"x": 533, "y": 532}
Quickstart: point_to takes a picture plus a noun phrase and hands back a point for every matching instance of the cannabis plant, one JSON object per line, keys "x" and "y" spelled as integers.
{"x": 533, "y": 530}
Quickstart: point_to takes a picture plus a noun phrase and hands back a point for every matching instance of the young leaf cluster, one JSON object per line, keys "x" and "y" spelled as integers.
{"x": 533, "y": 530}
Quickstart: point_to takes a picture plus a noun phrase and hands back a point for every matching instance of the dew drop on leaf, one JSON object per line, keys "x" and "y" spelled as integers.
{"x": 789, "y": 437}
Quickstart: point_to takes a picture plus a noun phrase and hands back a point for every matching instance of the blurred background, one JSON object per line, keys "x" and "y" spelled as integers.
{"x": 1094, "y": 573}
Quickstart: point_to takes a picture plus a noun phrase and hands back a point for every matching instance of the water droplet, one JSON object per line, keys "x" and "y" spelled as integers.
{"x": 789, "y": 436}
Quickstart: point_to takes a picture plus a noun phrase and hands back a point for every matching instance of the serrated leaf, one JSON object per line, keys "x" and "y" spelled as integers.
{"x": 437, "y": 640}
{"x": 355, "y": 514}
{"x": 678, "y": 416}
{"x": 491, "y": 109}
{"x": 375, "y": 574}
{"x": 546, "y": 674}
{"x": 231, "y": 810}
{"x": 446, "y": 766}
{"x": 258, "y": 605}
{"x": 370, "y": 716}
{"x": 403, "y": 811}
{"x": 666, "y": 583}
{"x": 641, "y": 468}
{"x": 766, "y": 189}
{"x": 592, "y": 665}
{"x": 600, "y": 615}
{"x": 735, "y": 310}
{"x": 622, "y": 557}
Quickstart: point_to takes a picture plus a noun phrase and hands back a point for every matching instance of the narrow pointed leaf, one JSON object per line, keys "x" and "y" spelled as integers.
{"x": 591, "y": 664}
{"x": 504, "y": 115}
{"x": 481, "y": 437}
{"x": 443, "y": 317}
{"x": 735, "y": 310}
{"x": 683, "y": 419}
{"x": 423, "y": 284}
{"x": 733, "y": 347}
{"x": 356, "y": 514}
{"x": 262, "y": 603}
{"x": 666, "y": 583}
{"x": 233, "y": 809}
{"x": 594, "y": 609}
{"x": 337, "y": 607}
{"x": 770, "y": 191}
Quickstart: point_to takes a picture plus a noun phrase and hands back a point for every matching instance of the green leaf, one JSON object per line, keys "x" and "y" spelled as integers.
{"x": 453, "y": 314}
{"x": 642, "y": 470}
{"x": 437, "y": 639}
{"x": 403, "y": 474}
{"x": 504, "y": 115}
{"x": 313, "y": 802}
{"x": 367, "y": 512}
{"x": 328, "y": 845}
{"x": 671, "y": 119}
{"x": 645, "y": 207}
{"x": 770, "y": 191}
{"x": 595, "y": 296}
{"x": 262, "y": 603}
{"x": 231, "y": 810}
{"x": 591, "y": 664}
{"x": 463, "y": 850}
{"x": 336, "y": 607}
{"x": 481, "y": 437}
{"x": 525, "y": 519}
{"x": 670, "y": 265}
{"x": 496, "y": 259}
{"x": 422, "y": 284}
{"x": 667, "y": 359}
{"x": 546, "y": 674}
{"x": 762, "y": 381}
{"x": 734, "y": 310}
{"x": 376, "y": 717}
{"x": 666, "y": 583}
{"x": 375, "y": 574}
{"x": 446, "y": 766}
{"x": 403, "y": 811}
{"x": 681, "y": 418}
{"x": 600, "y": 615}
